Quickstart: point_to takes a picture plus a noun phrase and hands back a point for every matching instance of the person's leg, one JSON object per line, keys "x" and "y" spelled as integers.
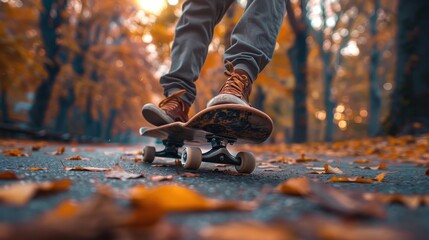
{"x": 254, "y": 37}
{"x": 194, "y": 33}
{"x": 252, "y": 45}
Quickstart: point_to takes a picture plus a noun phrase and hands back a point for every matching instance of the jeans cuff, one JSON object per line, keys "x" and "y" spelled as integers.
{"x": 248, "y": 70}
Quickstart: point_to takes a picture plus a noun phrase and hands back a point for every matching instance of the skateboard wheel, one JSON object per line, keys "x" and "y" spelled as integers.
{"x": 149, "y": 154}
{"x": 191, "y": 158}
{"x": 248, "y": 162}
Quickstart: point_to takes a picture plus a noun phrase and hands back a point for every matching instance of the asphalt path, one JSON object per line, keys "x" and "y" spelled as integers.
{"x": 217, "y": 182}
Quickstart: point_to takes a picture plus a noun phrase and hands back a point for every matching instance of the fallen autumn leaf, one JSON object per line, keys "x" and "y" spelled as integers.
{"x": 159, "y": 178}
{"x": 299, "y": 186}
{"x": 378, "y": 178}
{"x": 8, "y": 175}
{"x": 89, "y": 169}
{"x": 36, "y": 169}
{"x": 59, "y": 151}
{"x": 118, "y": 172}
{"x": 379, "y": 167}
{"x": 20, "y": 193}
{"x": 174, "y": 198}
{"x": 411, "y": 201}
{"x": 15, "y": 153}
{"x": 76, "y": 157}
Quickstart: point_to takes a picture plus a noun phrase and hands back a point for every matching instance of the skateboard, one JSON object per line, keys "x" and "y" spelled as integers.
{"x": 218, "y": 126}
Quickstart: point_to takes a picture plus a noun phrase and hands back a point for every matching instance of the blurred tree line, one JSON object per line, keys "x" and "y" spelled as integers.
{"x": 86, "y": 67}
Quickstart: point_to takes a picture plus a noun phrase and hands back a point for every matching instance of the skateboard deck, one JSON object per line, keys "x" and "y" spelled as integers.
{"x": 237, "y": 123}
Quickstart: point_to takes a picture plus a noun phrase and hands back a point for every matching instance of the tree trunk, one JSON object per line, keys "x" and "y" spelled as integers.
{"x": 374, "y": 83}
{"x": 110, "y": 122}
{"x": 89, "y": 120}
{"x": 99, "y": 124}
{"x": 65, "y": 104}
{"x": 50, "y": 19}
{"x": 298, "y": 55}
{"x": 409, "y": 102}
{"x": 329, "y": 104}
{"x": 4, "y": 106}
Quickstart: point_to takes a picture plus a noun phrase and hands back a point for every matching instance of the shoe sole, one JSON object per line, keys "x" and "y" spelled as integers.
{"x": 155, "y": 116}
{"x": 226, "y": 99}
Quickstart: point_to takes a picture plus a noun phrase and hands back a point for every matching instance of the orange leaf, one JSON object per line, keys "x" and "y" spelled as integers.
{"x": 36, "y": 169}
{"x": 361, "y": 161}
{"x": 59, "y": 151}
{"x": 119, "y": 173}
{"x": 247, "y": 230}
{"x": 411, "y": 201}
{"x": 8, "y": 175}
{"x": 76, "y": 157}
{"x": 380, "y": 177}
{"x": 174, "y": 198}
{"x": 37, "y": 146}
{"x": 305, "y": 159}
{"x": 189, "y": 175}
{"x": 295, "y": 186}
{"x": 66, "y": 209}
{"x": 20, "y": 193}
{"x": 14, "y": 153}
{"x": 159, "y": 178}
{"x": 351, "y": 179}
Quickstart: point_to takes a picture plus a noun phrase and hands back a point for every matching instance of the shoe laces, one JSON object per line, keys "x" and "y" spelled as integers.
{"x": 173, "y": 101}
{"x": 236, "y": 83}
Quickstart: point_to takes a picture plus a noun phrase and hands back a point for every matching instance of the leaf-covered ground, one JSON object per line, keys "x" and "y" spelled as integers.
{"x": 362, "y": 189}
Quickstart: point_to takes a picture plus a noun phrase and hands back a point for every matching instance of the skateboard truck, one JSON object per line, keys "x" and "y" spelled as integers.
{"x": 219, "y": 153}
{"x": 192, "y": 157}
{"x": 171, "y": 150}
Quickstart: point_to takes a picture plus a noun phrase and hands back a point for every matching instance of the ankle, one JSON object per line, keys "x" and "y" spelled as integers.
{"x": 242, "y": 73}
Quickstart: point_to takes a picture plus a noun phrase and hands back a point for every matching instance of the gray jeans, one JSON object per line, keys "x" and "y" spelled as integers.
{"x": 252, "y": 40}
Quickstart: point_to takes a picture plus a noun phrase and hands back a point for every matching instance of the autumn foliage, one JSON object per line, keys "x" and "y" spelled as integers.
{"x": 88, "y": 66}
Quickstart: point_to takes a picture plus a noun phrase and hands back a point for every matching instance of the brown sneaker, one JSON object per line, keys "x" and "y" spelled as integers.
{"x": 236, "y": 89}
{"x": 171, "y": 109}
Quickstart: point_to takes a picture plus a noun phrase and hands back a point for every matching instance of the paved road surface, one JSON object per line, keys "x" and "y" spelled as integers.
{"x": 402, "y": 178}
